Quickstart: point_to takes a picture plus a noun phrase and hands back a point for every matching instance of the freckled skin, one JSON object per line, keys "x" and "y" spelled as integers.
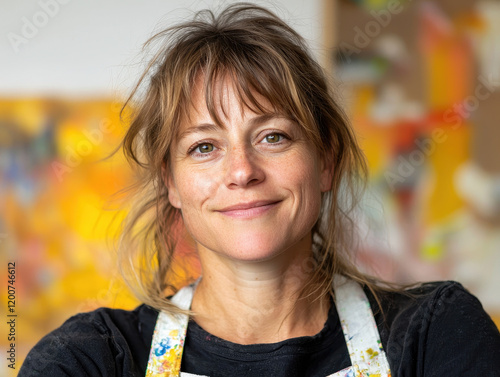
{"x": 245, "y": 162}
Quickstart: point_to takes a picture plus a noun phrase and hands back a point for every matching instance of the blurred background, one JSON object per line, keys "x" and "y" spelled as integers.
{"x": 420, "y": 81}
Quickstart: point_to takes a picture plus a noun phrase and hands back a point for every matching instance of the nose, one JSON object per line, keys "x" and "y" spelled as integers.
{"x": 243, "y": 168}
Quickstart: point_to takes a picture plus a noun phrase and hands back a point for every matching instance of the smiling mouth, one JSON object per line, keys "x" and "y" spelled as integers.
{"x": 249, "y": 210}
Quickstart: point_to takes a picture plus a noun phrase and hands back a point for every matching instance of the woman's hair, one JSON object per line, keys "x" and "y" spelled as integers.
{"x": 262, "y": 56}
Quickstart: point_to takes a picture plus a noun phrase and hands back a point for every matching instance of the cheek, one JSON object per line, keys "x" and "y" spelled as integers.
{"x": 195, "y": 189}
{"x": 312, "y": 191}
{"x": 303, "y": 178}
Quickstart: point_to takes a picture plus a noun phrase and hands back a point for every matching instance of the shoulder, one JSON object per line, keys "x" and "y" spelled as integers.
{"x": 104, "y": 342}
{"x": 428, "y": 303}
{"x": 427, "y": 299}
{"x": 436, "y": 326}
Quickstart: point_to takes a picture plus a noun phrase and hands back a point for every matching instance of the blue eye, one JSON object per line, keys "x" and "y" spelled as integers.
{"x": 205, "y": 148}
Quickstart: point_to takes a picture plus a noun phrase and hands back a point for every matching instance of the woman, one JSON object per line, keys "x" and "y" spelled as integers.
{"x": 241, "y": 144}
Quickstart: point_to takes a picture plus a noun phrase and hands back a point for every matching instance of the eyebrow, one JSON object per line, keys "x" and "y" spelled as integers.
{"x": 208, "y": 127}
{"x": 203, "y": 127}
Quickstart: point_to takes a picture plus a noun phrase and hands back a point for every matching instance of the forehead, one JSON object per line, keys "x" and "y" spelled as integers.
{"x": 221, "y": 99}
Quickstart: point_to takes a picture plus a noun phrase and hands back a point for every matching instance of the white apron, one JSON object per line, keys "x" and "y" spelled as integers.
{"x": 360, "y": 333}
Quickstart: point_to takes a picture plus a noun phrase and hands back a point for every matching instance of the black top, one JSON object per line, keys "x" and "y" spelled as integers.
{"x": 441, "y": 331}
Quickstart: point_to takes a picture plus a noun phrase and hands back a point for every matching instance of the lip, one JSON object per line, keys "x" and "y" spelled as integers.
{"x": 250, "y": 209}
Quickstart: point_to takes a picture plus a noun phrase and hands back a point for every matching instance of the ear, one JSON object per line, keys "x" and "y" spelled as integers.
{"x": 326, "y": 173}
{"x": 168, "y": 180}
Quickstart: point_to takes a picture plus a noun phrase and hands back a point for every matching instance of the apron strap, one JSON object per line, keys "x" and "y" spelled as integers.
{"x": 358, "y": 324}
{"x": 168, "y": 338}
{"x": 360, "y": 330}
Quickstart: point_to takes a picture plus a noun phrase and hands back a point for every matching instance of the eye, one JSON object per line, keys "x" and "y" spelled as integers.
{"x": 274, "y": 138}
{"x": 204, "y": 148}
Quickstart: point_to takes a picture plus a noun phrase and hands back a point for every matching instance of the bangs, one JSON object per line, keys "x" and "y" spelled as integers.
{"x": 263, "y": 79}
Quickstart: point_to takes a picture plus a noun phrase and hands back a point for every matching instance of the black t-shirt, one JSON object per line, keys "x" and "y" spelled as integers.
{"x": 442, "y": 330}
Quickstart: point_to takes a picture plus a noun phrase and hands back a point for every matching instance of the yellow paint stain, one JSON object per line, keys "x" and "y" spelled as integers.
{"x": 372, "y": 353}
{"x": 174, "y": 333}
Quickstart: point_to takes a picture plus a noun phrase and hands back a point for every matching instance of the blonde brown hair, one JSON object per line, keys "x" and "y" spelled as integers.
{"x": 260, "y": 54}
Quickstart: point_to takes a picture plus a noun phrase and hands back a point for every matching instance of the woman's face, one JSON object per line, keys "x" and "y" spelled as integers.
{"x": 249, "y": 190}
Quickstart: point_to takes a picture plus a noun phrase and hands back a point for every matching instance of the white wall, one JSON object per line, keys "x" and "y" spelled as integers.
{"x": 89, "y": 47}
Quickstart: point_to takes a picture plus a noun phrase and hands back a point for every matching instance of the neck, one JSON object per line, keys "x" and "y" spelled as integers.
{"x": 259, "y": 301}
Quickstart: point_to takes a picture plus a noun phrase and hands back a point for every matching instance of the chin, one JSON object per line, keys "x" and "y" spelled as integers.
{"x": 257, "y": 248}
{"x": 252, "y": 255}
{"x": 255, "y": 243}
